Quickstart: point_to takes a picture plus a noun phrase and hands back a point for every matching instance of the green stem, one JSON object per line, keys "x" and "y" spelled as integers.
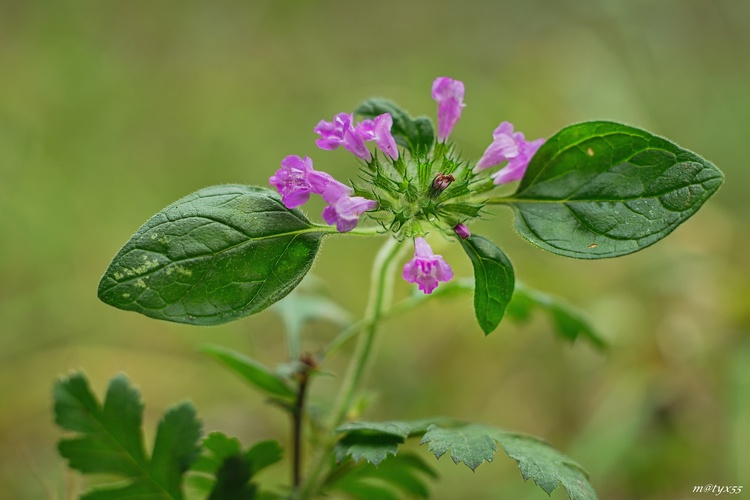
{"x": 297, "y": 420}
{"x": 380, "y": 291}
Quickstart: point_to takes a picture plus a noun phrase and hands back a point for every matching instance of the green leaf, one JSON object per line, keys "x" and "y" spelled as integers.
{"x": 469, "y": 444}
{"x": 473, "y": 444}
{"x": 546, "y": 466}
{"x": 602, "y": 189}
{"x": 374, "y": 441}
{"x": 569, "y": 322}
{"x": 224, "y": 472}
{"x": 493, "y": 281}
{"x": 251, "y": 371}
{"x": 417, "y": 134}
{"x": 111, "y": 440}
{"x": 217, "y": 255}
{"x": 404, "y": 472}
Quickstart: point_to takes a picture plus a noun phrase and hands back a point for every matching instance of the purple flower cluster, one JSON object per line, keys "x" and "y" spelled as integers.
{"x": 506, "y": 145}
{"x": 296, "y": 180}
{"x": 342, "y": 132}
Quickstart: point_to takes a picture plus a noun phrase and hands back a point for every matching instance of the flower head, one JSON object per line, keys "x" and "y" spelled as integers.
{"x": 449, "y": 95}
{"x": 511, "y": 147}
{"x": 296, "y": 179}
{"x": 425, "y": 268}
{"x": 341, "y": 132}
{"x": 379, "y": 130}
{"x": 345, "y": 211}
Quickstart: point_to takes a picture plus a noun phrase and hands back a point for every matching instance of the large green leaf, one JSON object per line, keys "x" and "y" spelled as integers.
{"x": 603, "y": 189}
{"x": 493, "y": 281}
{"x": 111, "y": 441}
{"x": 217, "y": 255}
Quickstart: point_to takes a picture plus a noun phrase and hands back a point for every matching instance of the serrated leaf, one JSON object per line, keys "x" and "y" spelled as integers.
{"x": 474, "y": 444}
{"x": 251, "y": 371}
{"x": 373, "y": 448}
{"x": 493, "y": 281}
{"x": 217, "y": 255}
{"x": 397, "y": 428}
{"x": 374, "y": 441}
{"x": 546, "y": 466}
{"x": 569, "y": 322}
{"x": 602, "y": 189}
{"x": 417, "y": 134}
{"x": 111, "y": 440}
{"x": 469, "y": 444}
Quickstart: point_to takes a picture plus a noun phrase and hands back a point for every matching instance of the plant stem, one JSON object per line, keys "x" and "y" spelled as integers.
{"x": 297, "y": 419}
{"x": 380, "y": 290}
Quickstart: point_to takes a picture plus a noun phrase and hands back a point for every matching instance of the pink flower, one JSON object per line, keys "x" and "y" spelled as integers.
{"x": 345, "y": 211}
{"x": 511, "y": 147}
{"x": 426, "y": 269}
{"x": 341, "y": 132}
{"x": 449, "y": 95}
{"x": 379, "y": 130}
{"x": 462, "y": 231}
{"x": 296, "y": 179}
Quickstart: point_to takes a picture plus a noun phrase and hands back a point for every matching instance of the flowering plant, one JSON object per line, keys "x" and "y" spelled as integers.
{"x": 592, "y": 190}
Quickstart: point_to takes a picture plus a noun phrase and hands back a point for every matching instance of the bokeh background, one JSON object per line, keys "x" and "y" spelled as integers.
{"x": 111, "y": 110}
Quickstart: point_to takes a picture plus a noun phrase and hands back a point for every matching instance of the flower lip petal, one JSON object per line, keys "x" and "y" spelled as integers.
{"x": 425, "y": 268}
{"x": 345, "y": 212}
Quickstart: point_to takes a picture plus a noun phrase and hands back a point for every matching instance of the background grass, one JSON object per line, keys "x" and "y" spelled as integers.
{"x": 111, "y": 110}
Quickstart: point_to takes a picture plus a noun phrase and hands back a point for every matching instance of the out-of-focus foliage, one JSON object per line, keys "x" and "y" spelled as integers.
{"x": 102, "y": 103}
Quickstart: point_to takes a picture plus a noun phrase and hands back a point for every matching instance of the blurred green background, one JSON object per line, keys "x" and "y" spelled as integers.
{"x": 111, "y": 110}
